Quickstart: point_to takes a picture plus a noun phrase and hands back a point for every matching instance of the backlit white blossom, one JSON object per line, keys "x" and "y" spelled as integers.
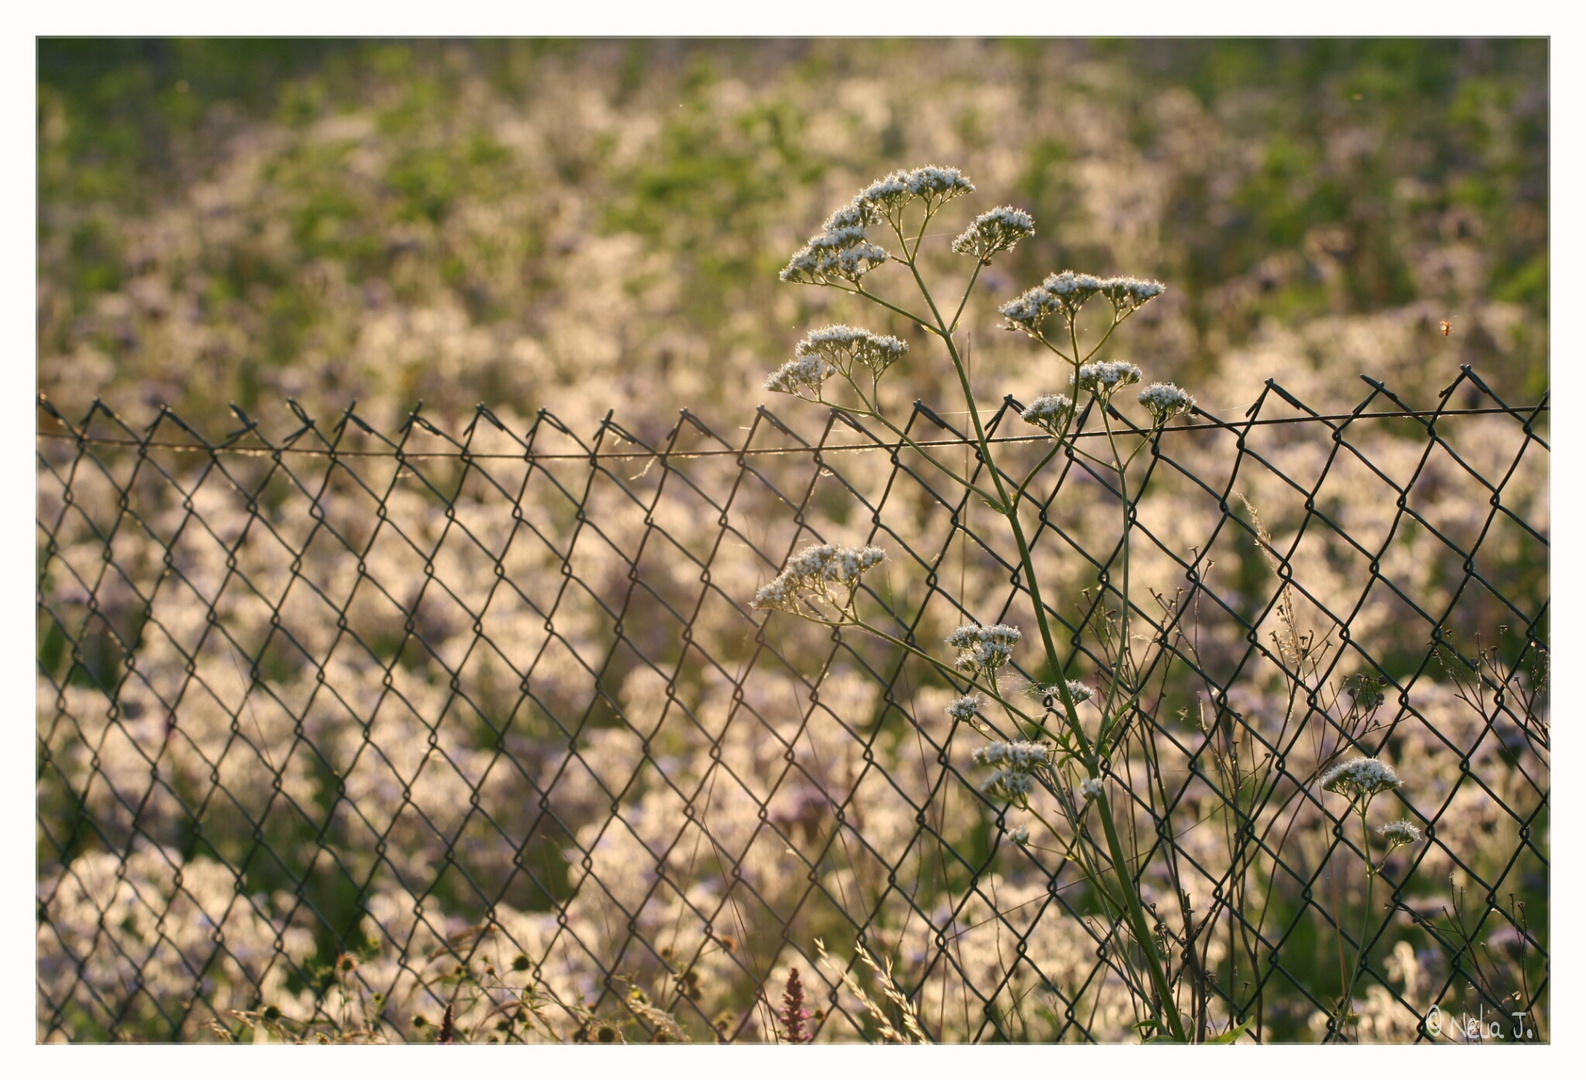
{"x": 1127, "y": 293}
{"x": 888, "y": 194}
{"x": 994, "y": 231}
{"x": 841, "y": 347}
{"x": 841, "y": 252}
{"x": 1362, "y": 776}
{"x": 1029, "y": 310}
{"x": 1049, "y": 412}
{"x": 802, "y": 376}
{"x": 1105, "y": 377}
{"x": 822, "y": 572}
{"x": 983, "y": 649}
{"x": 1399, "y": 834}
{"x": 1022, "y": 756}
{"x": 1165, "y": 401}
{"x": 1008, "y": 785}
{"x": 936, "y": 184}
{"x": 1071, "y": 289}
{"x": 963, "y": 710}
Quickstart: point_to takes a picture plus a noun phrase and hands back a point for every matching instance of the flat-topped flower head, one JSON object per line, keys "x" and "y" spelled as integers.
{"x": 839, "y": 239}
{"x": 983, "y": 649}
{"x": 1360, "y": 777}
{"x": 1072, "y": 290}
{"x": 1127, "y": 293}
{"x": 1049, "y": 412}
{"x": 1029, "y": 310}
{"x": 1016, "y": 764}
{"x": 936, "y": 184}
{"x": 1008, "y": 785}
{"x": 858, "y": 214}
{"x": 1105, "y": 377}
{"x": 823, "y": 572}
{"x": 964, "y": 709}
{"x": 1165, "y": 401}
{"x": 993, "y": 232}
{"x": 844, "y": 346}
{"x": 1397, "y": 834}
{"x": 968, "y": 635}
{"x": 801, "y": 376}
{"x": 1019, "y": 756}
{"x": 841, "y": 252}
{"x": 887, "y": 195}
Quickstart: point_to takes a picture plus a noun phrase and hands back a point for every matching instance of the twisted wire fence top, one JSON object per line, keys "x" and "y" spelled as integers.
{"x": 370, "y": 729}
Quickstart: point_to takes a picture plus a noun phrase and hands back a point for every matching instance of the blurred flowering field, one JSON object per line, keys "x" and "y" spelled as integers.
{"x": 519, "y": 222}
{"x": 367, "y": 741}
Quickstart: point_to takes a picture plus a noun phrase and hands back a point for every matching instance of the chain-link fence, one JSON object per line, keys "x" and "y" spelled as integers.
{"x": 473, "y": 735}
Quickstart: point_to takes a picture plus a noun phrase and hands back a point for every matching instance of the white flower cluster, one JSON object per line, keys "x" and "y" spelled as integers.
{"x": 842, "y": 252}
{"x": 1165, "y": 401}
{"x": 1029, "y": 310}
{"x": 963, "y": 710}
{"x": 994, "y": 231}
{"x": 1068, "y": 291}
{"x": 844, "y": 346}
{"x": 1015, "y": 763}
{"x": 1020, "y": 756}
{"x": 1362, "y": 776}
{"x": 1020, "y": 836}
{"x": 1049, "y": 412}
{"x": 1127, "y": 293}
{"x": 1090, "y": 789}
{"x": 1005, "y": 785}
{"x": 1399, "y": 834}
{"x": 798, "y": 375}
{"x": 814, "y": 572}
{"x": 1071, "y": 289}
{"x": 1076, "y": 690}
{"x": 983, "y": 649}
{"x": 936, "y": 184}
{"x": 1108, "y": 375}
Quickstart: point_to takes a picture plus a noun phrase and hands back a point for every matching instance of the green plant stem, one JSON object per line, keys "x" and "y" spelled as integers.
{"x": 904, "y": 438}
{"x": 1167, "y": 1007}
{"x": 1093, "y": 875}
{"x": 965, "y": 298}
{"x": 913, "y": 650}
{"x": 1346, "y": 1004}
{"x": 1124, "y": 651}
{"x": 1142, "y": 930}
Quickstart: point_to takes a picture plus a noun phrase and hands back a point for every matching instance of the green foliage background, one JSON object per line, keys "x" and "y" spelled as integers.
{"x": 585, "y": 225}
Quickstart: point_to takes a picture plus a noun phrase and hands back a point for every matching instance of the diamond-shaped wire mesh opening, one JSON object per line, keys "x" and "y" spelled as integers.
{"x": 371, "y": 729}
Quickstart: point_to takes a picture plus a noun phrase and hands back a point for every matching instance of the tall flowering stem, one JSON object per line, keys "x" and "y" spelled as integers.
{"x": 1360, "y": 780}
{"x": 844, "y": 256}
{"x": 792, "y": 1013}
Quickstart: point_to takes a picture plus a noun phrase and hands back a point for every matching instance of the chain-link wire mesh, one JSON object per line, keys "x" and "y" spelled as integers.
{"x": 473, "y": 735}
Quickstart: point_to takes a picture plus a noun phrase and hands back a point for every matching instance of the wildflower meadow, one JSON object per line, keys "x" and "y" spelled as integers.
{"x": 793, "y": 542}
